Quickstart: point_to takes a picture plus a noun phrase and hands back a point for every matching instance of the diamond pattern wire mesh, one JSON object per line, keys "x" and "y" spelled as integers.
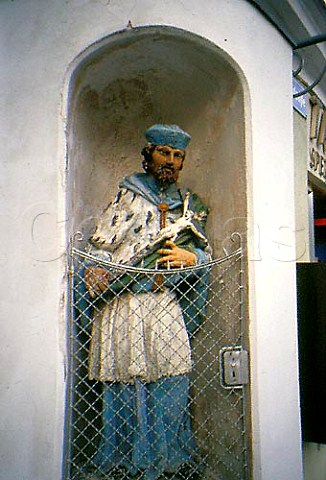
{"x": 217, "y": 415}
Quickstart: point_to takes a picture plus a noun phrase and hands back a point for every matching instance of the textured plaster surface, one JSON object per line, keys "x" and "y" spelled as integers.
{"x": 40, "y": 44}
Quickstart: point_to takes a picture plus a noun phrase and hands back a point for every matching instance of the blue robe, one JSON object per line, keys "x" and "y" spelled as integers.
{"x": 146, "y": 425}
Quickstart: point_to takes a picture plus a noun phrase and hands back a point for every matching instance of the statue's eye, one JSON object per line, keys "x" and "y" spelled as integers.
{"x": 167, "y": 152}
{"x": 162, "y": 151}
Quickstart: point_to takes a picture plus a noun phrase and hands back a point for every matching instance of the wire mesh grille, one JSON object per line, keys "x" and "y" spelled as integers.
{"x": 171, "y": 417}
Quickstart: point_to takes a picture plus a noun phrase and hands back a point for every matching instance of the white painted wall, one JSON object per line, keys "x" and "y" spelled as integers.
{"x": 301, "y": 154}
{"x": 40, "y": 39}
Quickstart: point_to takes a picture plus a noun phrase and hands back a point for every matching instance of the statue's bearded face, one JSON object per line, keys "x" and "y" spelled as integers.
{"x": 166, "y": 164}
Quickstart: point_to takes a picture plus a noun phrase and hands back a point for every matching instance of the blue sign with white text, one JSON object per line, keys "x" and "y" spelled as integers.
{"x": 299, "y": 103}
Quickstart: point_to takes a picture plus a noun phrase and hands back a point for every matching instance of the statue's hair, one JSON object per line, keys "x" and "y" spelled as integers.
{"x": 147, "y": 154}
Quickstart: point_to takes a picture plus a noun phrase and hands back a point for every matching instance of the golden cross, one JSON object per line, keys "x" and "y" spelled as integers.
{"x": 159, "y": 279}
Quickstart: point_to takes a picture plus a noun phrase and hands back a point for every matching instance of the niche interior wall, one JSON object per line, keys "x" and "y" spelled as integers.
{"x": 150, "y": 75}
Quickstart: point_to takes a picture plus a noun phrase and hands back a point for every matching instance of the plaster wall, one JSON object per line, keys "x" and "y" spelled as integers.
{"x": 301, "y": 155}
{"x": 40, "y": 43}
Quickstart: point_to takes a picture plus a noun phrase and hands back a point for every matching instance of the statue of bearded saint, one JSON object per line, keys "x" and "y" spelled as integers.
{"x": 140, "y": 341}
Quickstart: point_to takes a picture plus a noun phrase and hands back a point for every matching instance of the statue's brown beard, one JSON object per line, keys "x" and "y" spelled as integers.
{"x": 166, "y": 175}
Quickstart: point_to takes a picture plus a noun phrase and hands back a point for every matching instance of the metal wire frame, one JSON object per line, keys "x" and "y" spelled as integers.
{"x": 307, "y": 43}
{"x": 218, "y": 414}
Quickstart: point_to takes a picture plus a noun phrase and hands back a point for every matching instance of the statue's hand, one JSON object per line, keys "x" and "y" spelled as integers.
{"x": 96, "y": 280}
{"x": 172, "y": 231}
{"x": 176, "y": 256}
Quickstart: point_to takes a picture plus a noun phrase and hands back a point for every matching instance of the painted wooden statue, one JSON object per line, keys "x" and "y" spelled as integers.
{"x": 141, "y": 339}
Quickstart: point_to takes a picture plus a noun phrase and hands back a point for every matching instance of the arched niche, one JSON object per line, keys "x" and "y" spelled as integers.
{"x": 120, "y": 87}
{"x": 142, "y": 76}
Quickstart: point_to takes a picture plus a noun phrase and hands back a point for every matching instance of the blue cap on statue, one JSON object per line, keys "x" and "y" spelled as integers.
{"x": 170, "y": 135}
